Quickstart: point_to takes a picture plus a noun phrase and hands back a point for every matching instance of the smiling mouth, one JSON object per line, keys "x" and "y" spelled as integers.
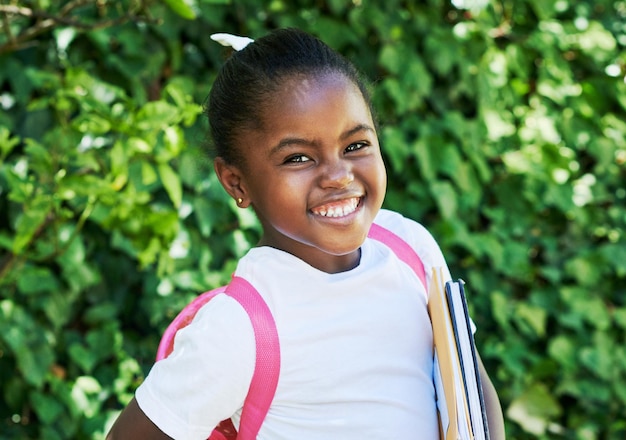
{"x": 338, "y": 209}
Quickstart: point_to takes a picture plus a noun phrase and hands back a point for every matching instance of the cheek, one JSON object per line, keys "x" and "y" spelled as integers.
{"x": 291, "y": 190}
{"x": 383, "y": 172}
{"x": 377, "y": 172}
{"x": 378, "y": 180}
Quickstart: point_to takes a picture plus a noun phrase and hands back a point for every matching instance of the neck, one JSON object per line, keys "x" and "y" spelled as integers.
{"x": 321, "y": 260}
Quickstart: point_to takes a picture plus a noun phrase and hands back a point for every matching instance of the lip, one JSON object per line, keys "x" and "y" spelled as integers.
{"x": 337, "y": 209}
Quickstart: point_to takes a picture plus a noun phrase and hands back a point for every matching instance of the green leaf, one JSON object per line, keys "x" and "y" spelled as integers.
{"x": 534, "y": 316}
{"x": 534, "y": 409}
{"x": 544, "y": 9}
{"x": 30, "y": 344}
{"x": 446, "y": 198}
{"x": 426, "y": 161}
{"x": 46, "y": 407}
{"x": 37, "y": 280}
{"x": 619, "y": 315}
{"x": 171, "y": 182}
{"x": 39, "y": 155}
{"x": 86, "y": 358}
{"x": 586, "y": 307}
{"x": 85, "y": 395}
{"x": 156, "y": 116}
{"x": 600, "y": 358}
{"x": 57, "y": 306}
{"x": 596, "y": 41}
{"x": 391, "y": 58}
{"x": 502, "y": 308}
{"x": 148, "y": 175}
{"x": 174, "y": 140}
{"x": 104, "y": 341}
{"x": 101, "y": 314}
{"x": 395, "y": 147}
{"x": 615, "y": 255}
{"x": 206, "y": 214}
{"x": 92, "y": 124}
{"x": 139, "y": 145}
{"x": 564, "y": 351}
{"x": 129, "y": 370}
{"x": 88, "y": 185}
{"x": 187, "y": 9}
{"x": 7, "y": 142}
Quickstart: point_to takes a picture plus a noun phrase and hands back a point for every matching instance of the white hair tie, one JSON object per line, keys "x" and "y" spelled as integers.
{"x": 233, "y": 41}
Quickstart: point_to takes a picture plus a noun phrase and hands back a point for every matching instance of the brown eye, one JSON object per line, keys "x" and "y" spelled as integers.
{"x": 297, "y": 158}
{"x": 355, "y": 146}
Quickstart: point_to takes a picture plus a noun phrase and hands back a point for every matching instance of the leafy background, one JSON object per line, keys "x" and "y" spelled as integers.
{"x": 503, "y": 126}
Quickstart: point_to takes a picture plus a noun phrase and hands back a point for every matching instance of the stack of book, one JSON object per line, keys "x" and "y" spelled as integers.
{"x": 460, "y": 401}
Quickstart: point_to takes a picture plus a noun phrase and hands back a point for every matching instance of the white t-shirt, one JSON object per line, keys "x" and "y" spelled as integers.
{"x": 356, "y": 350}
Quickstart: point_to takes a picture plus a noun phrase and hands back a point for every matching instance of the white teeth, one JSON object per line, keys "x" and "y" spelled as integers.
{"x": 338, "y": 210}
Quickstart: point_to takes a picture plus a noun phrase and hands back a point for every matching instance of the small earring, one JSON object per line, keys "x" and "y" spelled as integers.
{"x": 239, "y": 200}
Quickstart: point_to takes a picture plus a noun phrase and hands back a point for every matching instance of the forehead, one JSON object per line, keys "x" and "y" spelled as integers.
{"x": 300, "y": 95}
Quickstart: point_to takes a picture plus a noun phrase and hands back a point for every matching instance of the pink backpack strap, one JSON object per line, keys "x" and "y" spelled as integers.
{"x": 267, "y": 365}
{"x": 267, "y": 359}
{"x": 401, "y": 248}
{"x": 183, "y": 319}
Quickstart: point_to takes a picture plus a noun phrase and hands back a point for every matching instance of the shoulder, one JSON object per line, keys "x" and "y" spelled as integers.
{"x": 403, "y": 226}
{"x": 219, "y": 328}
{"x": 206, "y": 377}
{"x": 416, "y": 235}
{"x": 409, "y": 230}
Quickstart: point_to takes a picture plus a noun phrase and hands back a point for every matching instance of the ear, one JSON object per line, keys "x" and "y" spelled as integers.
{"x": 232, "y": 179}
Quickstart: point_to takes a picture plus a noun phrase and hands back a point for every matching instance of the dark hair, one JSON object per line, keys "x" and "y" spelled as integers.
{"x": 249, "y": 77}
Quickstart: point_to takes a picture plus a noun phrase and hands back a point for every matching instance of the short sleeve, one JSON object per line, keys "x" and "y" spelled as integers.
{"x": 206, "y": 377}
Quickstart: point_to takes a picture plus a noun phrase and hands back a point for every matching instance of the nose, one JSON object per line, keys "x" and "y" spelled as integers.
{"x": 337, "y": 173}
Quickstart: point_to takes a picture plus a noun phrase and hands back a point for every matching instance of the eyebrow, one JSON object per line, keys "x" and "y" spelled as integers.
{"x": 356, "y": 129}
{"x": 306, "y": 142}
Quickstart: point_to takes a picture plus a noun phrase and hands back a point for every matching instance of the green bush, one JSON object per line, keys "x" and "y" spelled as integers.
{"x": 502, "y": 125}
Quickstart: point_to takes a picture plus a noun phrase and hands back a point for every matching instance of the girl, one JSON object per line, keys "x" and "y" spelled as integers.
{"x": 296, "y": 141}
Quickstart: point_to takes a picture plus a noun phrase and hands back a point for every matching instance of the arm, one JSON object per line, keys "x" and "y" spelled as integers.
{"x": 132, "y": 423}
{"x": 495, "y": 418}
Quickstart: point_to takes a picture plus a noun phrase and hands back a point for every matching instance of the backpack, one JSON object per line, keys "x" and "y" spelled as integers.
{"x": 267, "y": 363}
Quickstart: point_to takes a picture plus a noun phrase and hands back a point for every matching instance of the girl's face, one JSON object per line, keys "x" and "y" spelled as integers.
{"x": 314, "y": 173}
